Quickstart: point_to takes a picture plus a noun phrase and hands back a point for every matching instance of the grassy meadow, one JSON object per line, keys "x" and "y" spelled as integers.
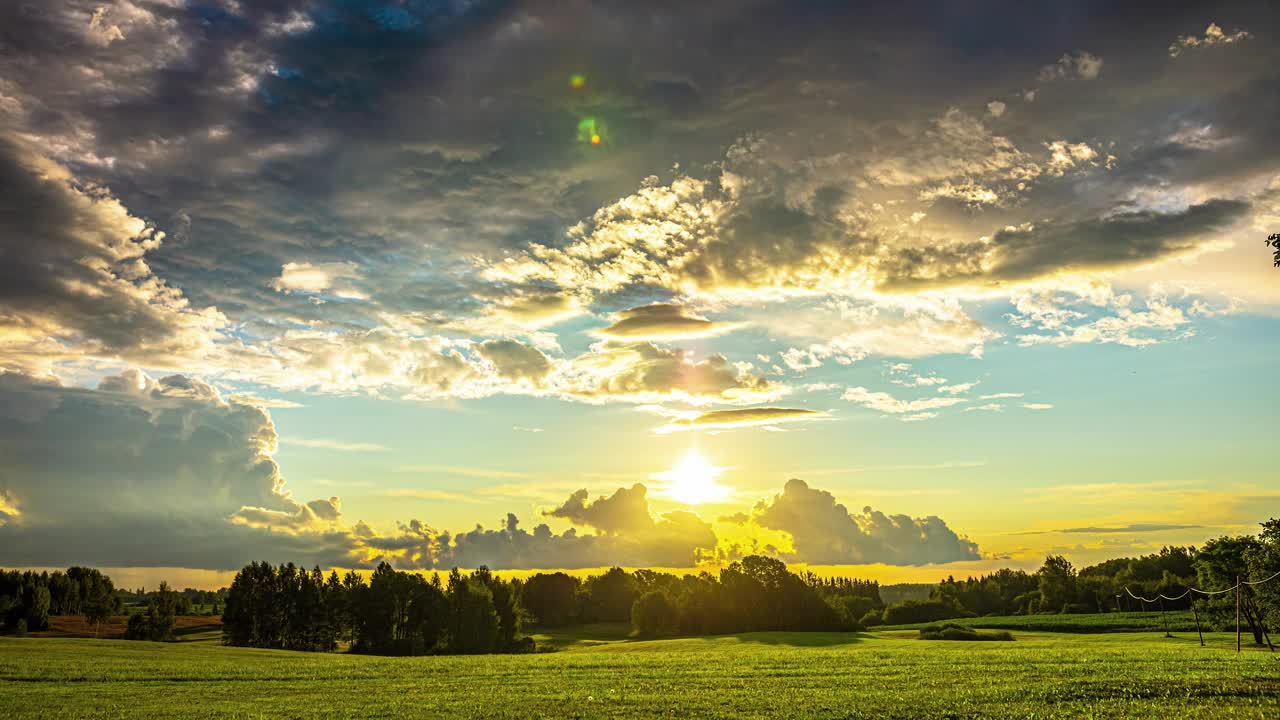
{"x": 595, "y": 671}
{"x": 1177, "y": 621}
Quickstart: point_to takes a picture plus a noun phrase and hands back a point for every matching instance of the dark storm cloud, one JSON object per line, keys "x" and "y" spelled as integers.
{"x": 1013, "y": 254}
{"x": 72, "y": 268}
{"x": 405, "y": 136}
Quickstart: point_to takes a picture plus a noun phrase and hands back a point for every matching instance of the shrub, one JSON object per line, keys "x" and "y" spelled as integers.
{"x": 872, "y": 618}
{"x": 951, "y": 631}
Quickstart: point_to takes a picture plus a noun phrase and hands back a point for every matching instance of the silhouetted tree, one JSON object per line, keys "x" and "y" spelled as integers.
{"x": 654, "y": 614}
{"x": 610, "y": 596}
{"x": 473, "y": 622}
{"x": 1057, "y": 583}
{"x": 551, "y": 598}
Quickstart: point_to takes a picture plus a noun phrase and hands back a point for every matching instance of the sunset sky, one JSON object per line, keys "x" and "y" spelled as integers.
{"x": 914, "y": 288}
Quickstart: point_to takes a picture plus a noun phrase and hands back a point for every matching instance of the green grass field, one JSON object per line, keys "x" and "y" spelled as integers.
{"x": 1178, "y": 621}
{"x": 594, "y": 673}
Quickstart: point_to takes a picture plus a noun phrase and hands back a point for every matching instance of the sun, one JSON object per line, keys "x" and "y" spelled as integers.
{"x": 693, "y": 481}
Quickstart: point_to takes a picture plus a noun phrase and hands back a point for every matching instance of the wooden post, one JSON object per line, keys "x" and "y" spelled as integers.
{"x": 1237, "y": 613}
{"x": 1196, "y": 614}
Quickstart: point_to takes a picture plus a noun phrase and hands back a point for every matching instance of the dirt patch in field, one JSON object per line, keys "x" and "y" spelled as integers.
{"x": 76, "y": 626}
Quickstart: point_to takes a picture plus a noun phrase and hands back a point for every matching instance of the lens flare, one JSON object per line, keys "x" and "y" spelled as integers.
{"x": 590, "y": 131}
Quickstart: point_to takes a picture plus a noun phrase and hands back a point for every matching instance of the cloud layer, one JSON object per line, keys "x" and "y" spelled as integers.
{"x": 183, "y": 477}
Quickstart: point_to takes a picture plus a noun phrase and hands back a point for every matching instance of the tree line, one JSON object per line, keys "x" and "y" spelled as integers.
{"x": 404, "y": 613}
{"x": 27, "y": 599}
{"x": 394, "y": 613}
{"x": 1057, "y": 587}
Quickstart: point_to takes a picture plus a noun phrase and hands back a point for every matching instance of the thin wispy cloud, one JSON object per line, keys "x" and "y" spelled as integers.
{"x": 331, "y": 444}
{"x": 460, "y": 470}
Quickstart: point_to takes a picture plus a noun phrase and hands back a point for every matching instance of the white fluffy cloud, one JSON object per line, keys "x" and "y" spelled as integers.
{"x": 335, "y": 278}
{"x": 825, "y": 532}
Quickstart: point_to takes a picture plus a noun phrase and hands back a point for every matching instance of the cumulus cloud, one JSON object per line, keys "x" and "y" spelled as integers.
{"x": 181, "y": 477}
{"x": 825, "y": 532}
{"x": 1130, "y": 327}
{"x": 515, "y": 360}
{"x": 891, "y": 326}
{"x": 335, "y": 278}
{"x": 678, "y": 539}
{"x": 627, "y": 510}
{"x": 627, "y": 534}
{"x": 648, "y": 373}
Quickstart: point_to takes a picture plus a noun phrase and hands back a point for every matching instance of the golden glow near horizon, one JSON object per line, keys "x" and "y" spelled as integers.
{"x": 693, "y": 481}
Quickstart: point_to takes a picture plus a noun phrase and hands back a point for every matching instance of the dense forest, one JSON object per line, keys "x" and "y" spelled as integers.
{"x": 394, "y": 612}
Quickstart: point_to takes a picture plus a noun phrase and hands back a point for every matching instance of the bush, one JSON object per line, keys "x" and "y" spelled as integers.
{"x": 20, "y": 629}
{"x": 1077, "y": 609}
{"x": 137, "y": 629}
{"x": 872, "y": 619}
{"x": 951, "y": 631}
{"x": 654, "y": 614}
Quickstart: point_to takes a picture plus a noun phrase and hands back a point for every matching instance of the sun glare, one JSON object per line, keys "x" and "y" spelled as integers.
{"x": 693, "y": 481}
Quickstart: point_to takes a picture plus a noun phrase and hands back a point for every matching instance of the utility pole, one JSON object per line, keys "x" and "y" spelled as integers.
{"x": 1237, "y": 613}
{"x": 1196, "y": 614}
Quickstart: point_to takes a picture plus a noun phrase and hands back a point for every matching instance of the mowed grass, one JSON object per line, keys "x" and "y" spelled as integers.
{"x": 806, "y": 675}
{"x": 1177, "y": 621}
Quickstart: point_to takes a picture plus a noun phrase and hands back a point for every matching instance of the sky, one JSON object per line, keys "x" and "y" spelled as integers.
{"x": 900, "y": 290}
